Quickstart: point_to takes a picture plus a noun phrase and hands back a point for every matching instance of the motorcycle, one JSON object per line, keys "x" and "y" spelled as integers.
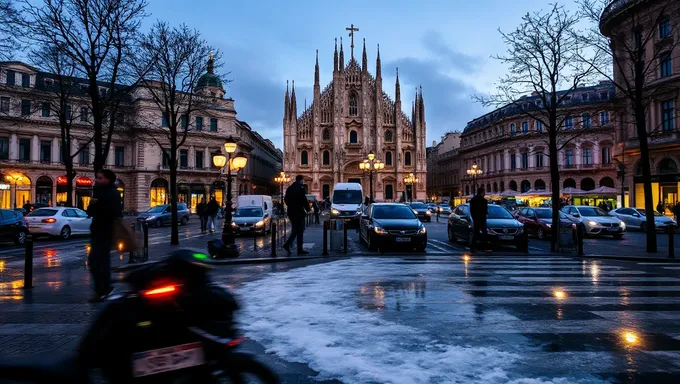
{"x": 173, "y": 326}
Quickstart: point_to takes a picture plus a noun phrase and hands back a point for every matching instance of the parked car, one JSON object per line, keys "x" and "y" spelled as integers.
{"x": 386, "y": 224}
{"x": 13, "y": 226}
{"x": 58, "y": 221}
{"x": 421, "y": 210}
{"x": 444, "y": 209}
{"x": 538, "y": 221}
{"x": 595, "y": 221}
{"x": 502, "y": 227}
{"x": 637, "y": 218}
{"x": 161, "y": 215}
{"x": 251, "y": 219}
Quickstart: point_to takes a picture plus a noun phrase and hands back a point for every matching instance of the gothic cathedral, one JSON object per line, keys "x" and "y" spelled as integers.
{"x": 350, "y": 118}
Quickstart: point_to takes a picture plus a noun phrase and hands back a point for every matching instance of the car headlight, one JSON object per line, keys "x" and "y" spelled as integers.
{"x": 592, "y": 223}
{"x": 233, "y": 224}
{"x": 422, "y": 230}
{"x": 379, "y": 230}
{"x": 549, "y": 225}
{"x": 259, "y": 223}
{"x": 414, "y": 211}
{"x": 150, "y": 217}
{"x": 335, "y": 212}
{"x": 520, "y": 230}
{"x": 623, "y": 225}
{"x": 427, "y": 213}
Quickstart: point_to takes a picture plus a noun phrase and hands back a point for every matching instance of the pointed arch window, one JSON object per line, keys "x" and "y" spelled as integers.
{"x": 326, "y": 158}
{"x": 304, "y": 158}
{"x": 353, "y": 137}
{"x": 388, "y": 158}
{"x": 407, "y": 158}
{"x": 326, "y": 135}
{"x": 353, "y": 104}
{"x": 388, "y": 136}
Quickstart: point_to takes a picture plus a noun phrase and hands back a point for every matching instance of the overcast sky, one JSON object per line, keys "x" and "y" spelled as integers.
{"x": 443, "y": 45}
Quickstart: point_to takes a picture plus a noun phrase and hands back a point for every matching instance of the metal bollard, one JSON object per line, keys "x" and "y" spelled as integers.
{"x": 325, "y": 238}
{"x": 274, "y": 229}
{"x": 131, "y": 255}
{"x": 28, "y": 263}
{"x": 671, "y": 242}
{"x": 145, "y": 228}
{"x": 579, "y": 240}
{"x": 344, "y": 230}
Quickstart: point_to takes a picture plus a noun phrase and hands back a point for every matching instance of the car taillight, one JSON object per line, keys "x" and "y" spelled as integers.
{"x": 236, "y": 341}
{"x": 50, "y": 220}
{"x": 161, "y": 292}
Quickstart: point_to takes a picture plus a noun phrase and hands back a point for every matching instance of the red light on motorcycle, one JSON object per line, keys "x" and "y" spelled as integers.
{"x": 50, "y": 220}
{"x": 236, "y": 341}
{"x": 166, "y": 290}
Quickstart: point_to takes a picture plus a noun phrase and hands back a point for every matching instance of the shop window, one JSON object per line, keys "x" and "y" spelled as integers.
{"x": 159, "y": 192}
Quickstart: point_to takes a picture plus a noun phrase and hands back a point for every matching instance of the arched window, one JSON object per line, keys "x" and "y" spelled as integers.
{"x": 525, "y": 186}
{"x": 587, "y": 184}
{"x": 495, "y": 187}
{"x": 502, "y": 188}
{"x": 353, "y": 137}
{"x": 326, "y": 135}
{"x": 668, "y": 166}
{"x": 607, "y": 182}
{"x": 304, "y": 158}
{"x": 388, "y": 136}
{"x": 353, "y": 105}
{"x": 326, "y": 158}
{"x": 388, "y": 158}
{"x": 407, "y": 158}
{"x": 488, "y": 187}
{"x": 539, "y": 185}
{"x": 569, "y": 183}
{"x": 513, "y": 185}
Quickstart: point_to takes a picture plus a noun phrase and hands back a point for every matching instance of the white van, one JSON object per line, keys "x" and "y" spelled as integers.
{"x": 263, "y": 201}
{"x": 347, "y": 201}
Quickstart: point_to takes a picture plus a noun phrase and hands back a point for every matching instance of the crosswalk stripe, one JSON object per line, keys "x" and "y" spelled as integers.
{"x": 602, "y": 278}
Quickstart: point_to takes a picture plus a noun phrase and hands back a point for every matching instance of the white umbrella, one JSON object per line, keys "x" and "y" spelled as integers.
{"x": 603, "y": 191}
{"x": 508, "y": 193}
{"x": 573, "y": 191}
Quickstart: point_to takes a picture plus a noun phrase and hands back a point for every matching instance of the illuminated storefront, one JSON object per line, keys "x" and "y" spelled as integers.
{"x": 158, "y": 194}
{"x": 43, "y": 190}
{"x": 62, "y": 190}
{"x": 665, "y": 186}
{"x": 83, "y": 192}
{"x": 5, "y": 195}
{"x": 120, "y": 187}
{"x": 217, "y": 190}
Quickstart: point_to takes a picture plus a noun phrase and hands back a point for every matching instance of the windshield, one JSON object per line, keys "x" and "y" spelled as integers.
{"x": 497, "y": 212}
{"x": 348, "y": 196}
{"x": 418, "y": 206}
{"x": 592, "y": 211}
{"x": 642, "y": 212}
{"x": 43, "y": 212}
{"x": 543, "y": 213}
{"x": 157, "y": 209}
{"x": 392, "y": 212}
{"x": 249, "y": 212}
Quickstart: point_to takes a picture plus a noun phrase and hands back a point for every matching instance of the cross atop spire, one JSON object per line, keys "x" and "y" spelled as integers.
{"x": 351, "y": 30}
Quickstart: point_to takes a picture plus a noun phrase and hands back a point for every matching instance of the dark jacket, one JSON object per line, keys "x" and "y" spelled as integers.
{"x": 295, "y": 199}
{"x": 478, "y": 210}
{"x": 315, "y": 207}
{"x": 104, "y": 209}
{"x": 201, "y": 209}
{"x": 212, "y": 208}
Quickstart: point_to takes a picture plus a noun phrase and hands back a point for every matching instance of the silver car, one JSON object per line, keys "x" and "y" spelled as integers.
{"x": 59, "y": 221}
{"x": 637, "y": 218}
{"x": 251, "y": 219}
{"x": 595, "y": 221}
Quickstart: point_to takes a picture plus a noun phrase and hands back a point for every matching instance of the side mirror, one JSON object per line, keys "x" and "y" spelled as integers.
{"x": 636, "y": 214}
{"x": 576, "y": 215}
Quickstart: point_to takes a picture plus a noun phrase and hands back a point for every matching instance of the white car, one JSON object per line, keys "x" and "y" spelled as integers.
{"x": 58, "y": 221}
{"x": 636, "y": 218}
{"x": 596, "y": 221}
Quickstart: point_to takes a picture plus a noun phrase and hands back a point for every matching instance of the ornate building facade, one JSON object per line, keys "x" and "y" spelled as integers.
{"x": 349, "y": 118}
{"x": 443, "y": 168}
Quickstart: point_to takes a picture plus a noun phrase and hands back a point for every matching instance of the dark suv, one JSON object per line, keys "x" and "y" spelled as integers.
{"x": 12, "y": 226}
{"x": 161, "y": 215}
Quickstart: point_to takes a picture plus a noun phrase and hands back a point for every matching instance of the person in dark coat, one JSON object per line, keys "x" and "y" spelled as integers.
{"x": 105, "y": 208}
{"x": 211, "y": 211}
{"x": 27, "y": 207}
{"x": 202, "y": 212}
{"x": 478, "y": 211}
{"x": 298, "y": 207}
{"x": 317, "y": 211}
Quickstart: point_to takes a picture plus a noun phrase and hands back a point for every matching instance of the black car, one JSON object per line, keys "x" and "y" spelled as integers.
{"x": 12, "y": 226}
{"x": 162, "y": 215}
{"x": 386, "y": 224}
{"x": 502, "y": 227}
{"x": 422, "y": 211}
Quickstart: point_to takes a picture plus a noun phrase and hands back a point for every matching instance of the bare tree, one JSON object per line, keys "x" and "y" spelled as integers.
{"x": 98, "y": 37}
{"x": 630, "y": 56}
{"x": 8, "y": 40}
{"x": 171, "y": 60}
{"x": 544, "y": 60}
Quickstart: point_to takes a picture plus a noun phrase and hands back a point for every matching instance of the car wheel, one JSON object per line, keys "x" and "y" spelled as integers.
{"x": 65, "y": 233}
{"x": 643, "y": 227}
{"x": 369, "y": 242}
{"x": 158, "y": 223}
{"x": 618, "y": 237}
{"x": 184, "y": 220}
{"x": 20, "y": 239}
{"x": 540, "y": 234}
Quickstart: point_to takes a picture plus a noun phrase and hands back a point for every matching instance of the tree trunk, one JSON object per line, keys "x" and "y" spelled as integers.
{"x": 174, "y": 230}
{"x": 555, "y": 185}
{"x": 641, "y": 122}
{"x": 70, "y": 177}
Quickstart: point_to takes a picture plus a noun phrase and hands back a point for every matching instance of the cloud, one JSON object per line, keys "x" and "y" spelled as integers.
{"x": 447, "y": 56}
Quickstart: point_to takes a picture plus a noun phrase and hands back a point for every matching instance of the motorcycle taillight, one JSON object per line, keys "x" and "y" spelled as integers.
{"x": 161, "y": 292}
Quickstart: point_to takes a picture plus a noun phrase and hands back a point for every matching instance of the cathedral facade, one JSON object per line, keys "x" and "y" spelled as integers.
{"x": 351, "y": 117}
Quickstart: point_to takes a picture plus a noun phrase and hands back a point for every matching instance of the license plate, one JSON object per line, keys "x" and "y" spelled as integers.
{"x": 247, "y": 228}
{"x": 167, "y": 359}
{"x": 403, "y": 239}
{"x": 505, "y": 237}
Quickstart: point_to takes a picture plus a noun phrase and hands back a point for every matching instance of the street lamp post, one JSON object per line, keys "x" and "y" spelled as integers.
{"x": 411, "y": 180}
{"x": 371, "y": 165}
{"x": 474, "y": 172}
{"x": 282, "y": 179}
{"x": 234, "y": 162}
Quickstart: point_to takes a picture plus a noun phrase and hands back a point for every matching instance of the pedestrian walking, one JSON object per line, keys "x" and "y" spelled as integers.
{"x": 317, "y": 211}
{"x": 298, "y": 208}
{"x": 202, "y": 212}
{"x": 676, "y": 211}
{"x": 439, "y": 209}
{"x": 27, "y": 207}
{"x": 660, "y": 207}
{"x": 478, "y": 211}
{"x": 211, "y": 211}
{"x": 105, "y": 209}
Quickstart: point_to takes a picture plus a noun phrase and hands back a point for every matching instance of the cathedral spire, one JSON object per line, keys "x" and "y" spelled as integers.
{"x": 421, "y": 110}
{"x": 293, "y": 103}
{"x": 378, "y": 70}
{"x": 397, "y": 89}
{"x": 316, "y": 69}
{"x": 335, "y": 56}
{"x": 342, "y": 58}
{"x": 364, "y": 59}
{"x": 286, "y": 104}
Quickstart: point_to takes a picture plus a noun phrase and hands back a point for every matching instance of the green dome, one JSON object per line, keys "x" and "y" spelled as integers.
{"x": 210, "y": 80}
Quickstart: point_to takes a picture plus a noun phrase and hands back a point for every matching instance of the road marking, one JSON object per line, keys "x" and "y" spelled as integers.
{"x": 435, "y": 246}
{"x": 673, "y": 268}
{"x": 657, "y": 263}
